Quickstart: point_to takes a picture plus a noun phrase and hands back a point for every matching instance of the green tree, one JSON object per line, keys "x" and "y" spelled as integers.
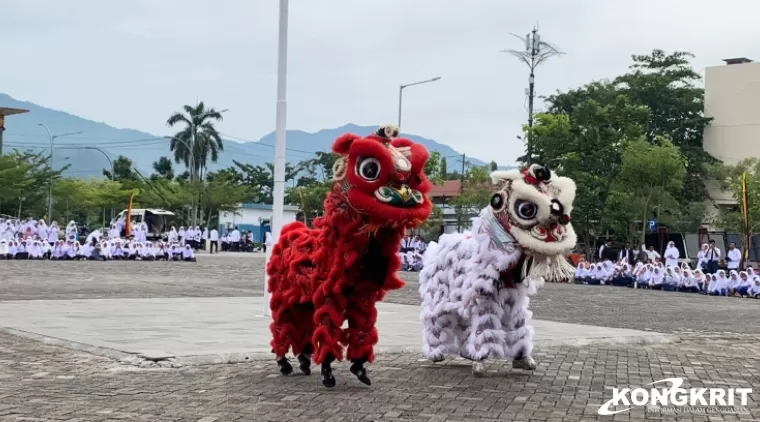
{"x": 433, "y": 168}
{"x": 652, "y": 174}
{"x": 477, "y": 190}
{"x": 198, "y": 133}
{"x": 122, "y": 170}
{"x": 310, "y": 198}
{"x": 24, "y": 181}
{"x": 493, "y": 166}
{"x": 731, "y": 178}
{"x": 432, "y": 227}
{"x": 163, "y": 168}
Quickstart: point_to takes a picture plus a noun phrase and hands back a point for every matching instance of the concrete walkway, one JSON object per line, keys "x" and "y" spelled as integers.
{"x": 216, "y": 330}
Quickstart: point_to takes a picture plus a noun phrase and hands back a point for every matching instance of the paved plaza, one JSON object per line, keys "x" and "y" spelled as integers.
{"x": 186, "y": 342}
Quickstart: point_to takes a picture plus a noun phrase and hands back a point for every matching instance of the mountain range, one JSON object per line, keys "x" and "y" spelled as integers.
{"x": 23, "y": 132}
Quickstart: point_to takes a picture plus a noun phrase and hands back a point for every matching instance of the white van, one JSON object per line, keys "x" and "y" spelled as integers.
{"x": 155, "y": 218}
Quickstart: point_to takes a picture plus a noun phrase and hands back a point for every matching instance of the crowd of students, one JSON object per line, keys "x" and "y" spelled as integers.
{"x": 411, "y": 251}
{"x": 34, "y": 239}
{"x": 652, "y": 273}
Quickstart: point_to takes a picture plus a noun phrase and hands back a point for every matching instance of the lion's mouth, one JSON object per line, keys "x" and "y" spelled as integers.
{"x": 553, "y": 233}
{"x": 403, "y": 196}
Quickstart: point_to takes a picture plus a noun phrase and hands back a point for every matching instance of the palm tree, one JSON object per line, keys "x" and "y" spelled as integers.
{"x": 200, "y": 134}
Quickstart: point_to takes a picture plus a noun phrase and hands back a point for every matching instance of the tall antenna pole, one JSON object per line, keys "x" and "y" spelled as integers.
{"x": 536, "y": 52}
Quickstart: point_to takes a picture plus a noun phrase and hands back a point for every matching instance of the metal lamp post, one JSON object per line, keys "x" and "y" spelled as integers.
{"x": 536, "y": 52}
{"x": 401, "y": 94}
{"x": 113, "y": 173}
{"x": 50, "y": 181}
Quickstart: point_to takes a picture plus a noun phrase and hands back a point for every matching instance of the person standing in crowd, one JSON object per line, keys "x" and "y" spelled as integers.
{"x": 642, "y": 256}
{"x": 626, "y": 254}
{"x": 702, "y": 257}
{"x": 234, "y": 239}
{"x": 671, "y": 255}
{"x": 606, "y": 246}
{"x": 213, "y": 240}
{"x": 654, "y": 256}
{"x": 407, "y": 244}
{"x": 733, "y": 257}
{"x": 713, "y": 257}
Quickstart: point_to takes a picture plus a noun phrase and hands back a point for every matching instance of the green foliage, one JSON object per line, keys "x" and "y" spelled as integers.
{"x": 732, "y": 181}
{"x": 163, "y": 168}
{"x": 198, "y": 141}
{"x": 431, "y": 229}
{"x": 477, "y": 190}
{"x": 588, "y": 133}
{"x": 652, "y": 175}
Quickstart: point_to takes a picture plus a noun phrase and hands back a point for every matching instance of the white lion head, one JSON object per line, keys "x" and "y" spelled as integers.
{"x": 534, "y": 206}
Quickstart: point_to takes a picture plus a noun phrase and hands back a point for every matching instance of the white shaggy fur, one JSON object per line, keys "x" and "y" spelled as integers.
{"x": 466, "y": 308}
{"x": 463, "y": 311}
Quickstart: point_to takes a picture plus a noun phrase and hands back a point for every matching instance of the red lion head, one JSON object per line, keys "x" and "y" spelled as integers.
{"x": 383, "y": 177}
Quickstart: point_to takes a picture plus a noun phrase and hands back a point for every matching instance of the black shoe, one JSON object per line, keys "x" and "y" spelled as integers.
{"x": 285, "y": 367}
{"x": 328, "y": 380}
{"x": 357, "y": 368}
{"x": 304, "y": 364}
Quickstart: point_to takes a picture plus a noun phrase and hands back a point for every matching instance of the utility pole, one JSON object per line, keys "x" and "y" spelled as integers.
{"x": 461, "y": 178}
{"x": 535, "y": 53}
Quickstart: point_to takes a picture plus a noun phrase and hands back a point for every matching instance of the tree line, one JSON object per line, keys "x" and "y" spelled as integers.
{"x": 633, "y": 145}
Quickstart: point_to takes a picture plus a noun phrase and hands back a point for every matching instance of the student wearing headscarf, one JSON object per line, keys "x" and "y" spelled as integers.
{"x": 691, "y": 281}
{"x": 187, "y": 254}
{"x": 754, "y": 291}
{"x": 733, "y": 282}
{"x": 4, "y": 250}
{"x": 745, "y": 282}
{"x": 671, "y": 255}
{"x": 719, "y": 284}
{"x": 71, "y": 231}
{"x": 657, "y": 279}
{"x": 671, "y": 279}
{"x": 642, "y": 277}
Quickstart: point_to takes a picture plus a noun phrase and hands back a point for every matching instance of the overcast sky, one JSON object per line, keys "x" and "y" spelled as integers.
{"x": 132, "y": 63}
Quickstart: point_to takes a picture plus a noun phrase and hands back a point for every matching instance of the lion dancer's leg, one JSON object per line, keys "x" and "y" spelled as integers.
{"x": 486, "y": 335}
{"x": 328, "y": 319}
{"x": 517, "y": 321}
{"x": 361, "y": 335}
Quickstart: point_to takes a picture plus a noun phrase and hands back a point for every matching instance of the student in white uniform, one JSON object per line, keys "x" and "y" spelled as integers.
{"x": 754, "y": 291}
{"x": 671, "y": 255}
{"x": 713, "y": 258}
{"x": 733, "y": 257}
{"x": 188, "y": 255}
{"x": 719, "y": 284}
{"x": 4, "y": 250}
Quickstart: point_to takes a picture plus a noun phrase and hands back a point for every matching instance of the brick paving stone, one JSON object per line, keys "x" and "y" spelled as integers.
{"x": 50, "y": 383}
{"x": 40, "y": 382}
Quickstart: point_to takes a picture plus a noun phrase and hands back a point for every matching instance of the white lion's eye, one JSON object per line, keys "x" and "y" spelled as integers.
{"x": 368, "y": 168}
{"x": 525, "y": 210}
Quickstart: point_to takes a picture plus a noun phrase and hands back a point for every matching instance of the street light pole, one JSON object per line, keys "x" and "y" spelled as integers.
{"x": 535, "y": 53}
{"x": 50, "y": 180}
{"x": 401, "y": 94}
{"x": 113, "y": 173}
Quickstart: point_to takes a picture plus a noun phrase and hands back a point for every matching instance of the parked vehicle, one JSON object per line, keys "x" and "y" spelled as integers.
{"x": 155, "y": 218}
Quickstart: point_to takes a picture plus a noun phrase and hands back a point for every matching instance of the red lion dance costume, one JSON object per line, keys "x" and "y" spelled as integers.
{"x": 337, "y": 271}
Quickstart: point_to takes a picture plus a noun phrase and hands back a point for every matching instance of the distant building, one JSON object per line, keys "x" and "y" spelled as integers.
{"x": 255, "y": 218}
{"x": 441, "y": 195}
{"x": 732, "y": 99}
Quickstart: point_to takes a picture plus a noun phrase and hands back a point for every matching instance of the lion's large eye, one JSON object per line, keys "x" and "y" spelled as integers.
{"x": 368, "y": 168}
{"x": 525, "y": 210}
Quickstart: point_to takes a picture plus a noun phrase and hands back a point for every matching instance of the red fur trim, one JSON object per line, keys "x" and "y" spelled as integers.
{"x": 310, "y": 267}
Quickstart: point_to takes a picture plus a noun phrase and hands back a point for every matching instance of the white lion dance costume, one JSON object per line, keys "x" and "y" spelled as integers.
{"x": 475, "y": 286}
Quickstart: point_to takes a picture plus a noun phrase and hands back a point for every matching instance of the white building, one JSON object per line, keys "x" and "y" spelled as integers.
{"x": 732, "y": 99}
{"x": 255, "y": 218}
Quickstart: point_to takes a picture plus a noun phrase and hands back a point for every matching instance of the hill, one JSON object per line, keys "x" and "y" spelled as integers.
{"x": 23, "y": 132}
